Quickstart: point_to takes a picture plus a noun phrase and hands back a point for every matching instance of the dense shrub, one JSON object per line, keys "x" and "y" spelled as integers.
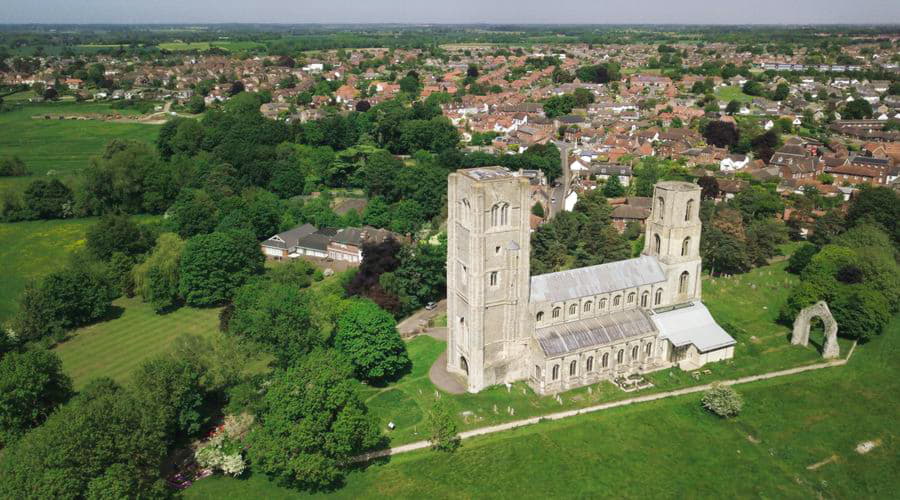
{"x": 722, "y": 400}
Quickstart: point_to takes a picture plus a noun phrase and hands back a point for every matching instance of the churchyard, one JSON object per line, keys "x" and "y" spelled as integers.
{"x": 826, "y": 433}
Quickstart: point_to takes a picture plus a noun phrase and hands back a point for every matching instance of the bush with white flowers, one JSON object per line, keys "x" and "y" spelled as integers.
{"x": 223, "y": 451}
{"x": 722, "y": 400}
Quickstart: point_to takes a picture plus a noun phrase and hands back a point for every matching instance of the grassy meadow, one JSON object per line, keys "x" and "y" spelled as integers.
{"x": 228, "y": 45}
{"x": 114, "y": 348}
{"x": 61, "y": 147}
{"x": 29, "y": 250}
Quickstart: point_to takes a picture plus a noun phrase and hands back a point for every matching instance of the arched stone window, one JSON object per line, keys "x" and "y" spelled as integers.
{"x": 573, "y": 368}
{"x": 620, "y": 356}
{"x": 537, "y": 372}
{"x": 685, "y": 246}
{"x": 645, "y": 297}
{"x": 555, "y": 372}
{"x": 573, "y": 308}
{"x": 602, "y": 303}
{"x": 657, "y": 244}
{"x": 631, "y": 298}
{"x": 604, "y": 361}
{"x": 688, "y": 210}
{"x": 495, "y": 278}
{"x": 634, "y": 353}
{"x": 540, "y": 316}
{"x": 500, "y": 214}
{"x": 683, "y": 282}
{"x": 463, "y": 330}
{"x": 617, "y": 300}
{"x": 464, "y": 209}
{"x": 587, "y": 306}
{"x": 649, "y": 349}
{"x": 658, "y": 300}
{"x": 556, "y": 312}
{"x": 589, "y": 366}
{"x": 661, "y": 206}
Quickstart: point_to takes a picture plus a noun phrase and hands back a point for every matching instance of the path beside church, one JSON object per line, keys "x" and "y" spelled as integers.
{"x": 418, "y": 445}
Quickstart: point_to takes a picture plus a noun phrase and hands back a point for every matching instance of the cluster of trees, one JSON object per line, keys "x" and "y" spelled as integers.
{"x": 583, "y": 237}
{"x": 851, "y": 263}
{"x": 12, "y": 166}
{"x": 743, "y": 232}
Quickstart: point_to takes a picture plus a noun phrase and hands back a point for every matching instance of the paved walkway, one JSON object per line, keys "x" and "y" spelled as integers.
{"x": 443, "y": 379}
{"x": 418, "y": 445}
{"x": 419, "y": 319}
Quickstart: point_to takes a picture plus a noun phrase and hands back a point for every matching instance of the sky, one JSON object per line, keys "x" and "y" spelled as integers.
{"x": 453, "y": 11}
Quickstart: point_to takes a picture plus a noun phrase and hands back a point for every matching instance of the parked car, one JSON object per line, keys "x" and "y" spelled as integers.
{"x": 430, "y": 306}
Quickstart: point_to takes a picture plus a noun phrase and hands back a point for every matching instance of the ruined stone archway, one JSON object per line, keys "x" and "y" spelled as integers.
{"x": 801, "y": 328}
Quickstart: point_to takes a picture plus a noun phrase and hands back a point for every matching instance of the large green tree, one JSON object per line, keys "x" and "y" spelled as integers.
{"x": 156, "y": 279}
{"x": 214, "y": 265}
{"x": 312, "y": 424}
{"x": 32, "y": 385}
{"x": 367, "y": 336}
{"x": 276, "y": 316}
{"x": 168, "y": 390}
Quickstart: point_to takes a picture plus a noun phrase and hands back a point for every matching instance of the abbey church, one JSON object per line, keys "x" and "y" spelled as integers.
{"x": 567, "y": 329}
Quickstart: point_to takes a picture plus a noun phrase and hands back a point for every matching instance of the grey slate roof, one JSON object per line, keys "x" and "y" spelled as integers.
{"x": 592, "y": 280}
{"x": 289, "y": 238}
{"x": 692, "y": 325}
{"x": 572, "y": 336}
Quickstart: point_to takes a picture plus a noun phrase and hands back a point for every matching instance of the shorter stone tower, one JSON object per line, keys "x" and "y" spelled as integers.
{"x": 488, "y": 249}
{"x": 673, "y": 236}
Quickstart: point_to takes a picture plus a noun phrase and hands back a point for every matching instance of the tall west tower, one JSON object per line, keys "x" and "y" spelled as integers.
{"x": 488, "y": 278}
{"x": 673, "y": 236}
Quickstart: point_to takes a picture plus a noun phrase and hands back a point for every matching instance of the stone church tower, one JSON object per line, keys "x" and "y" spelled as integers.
{"x": 673, "y": 236}
{"x": 489, "y": 245}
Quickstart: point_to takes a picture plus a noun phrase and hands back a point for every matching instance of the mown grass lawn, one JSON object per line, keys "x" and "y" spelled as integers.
{"x": 732, "y": 93}
{"x": 114, "y": 348}
{"x": 61, "y": 147}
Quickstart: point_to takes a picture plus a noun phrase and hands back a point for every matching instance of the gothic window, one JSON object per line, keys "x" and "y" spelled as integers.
{"x": 657, "y": 244}
{"x": 658, "y": 299}
{"x": 540, "y": 316}
{"x": 631, "y": 298}
{"x": 464, "y": 210}
{"x": 555, "y": 372}
{"x": 649, "y": 349}
{"x": 602, "y": 303}
{"x": 587, "y": 306}
{"x": 494, "y": 278}
{"x": 634, "y": 353}
{"x": 604, "y": 361}
{"x": 573, "y": 309}
{"x": 537, "y": 372}
{"x": 644, "y": 298}
{"x": 683, "y": 282}
{"x": 463, "y": 331}
{"x": 499, "y": 214}
{"x": 688, "y": 210}
{"x": 556, "y": 312}
{"x": 573, "y": 367}
{"x": 620, "y": 356}
{"x": 589, "y": 367}
{"x": 616, "y": 300}
{"x": 685, "y": 246}
{"x": 661, "y": 206}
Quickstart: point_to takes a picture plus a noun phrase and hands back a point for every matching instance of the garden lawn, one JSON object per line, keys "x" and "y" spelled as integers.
{"x": 61, "y": 147}
{"x": 667, "y": 449}
{"x": 733, "y": 93}
{"x": 114, "y": 348}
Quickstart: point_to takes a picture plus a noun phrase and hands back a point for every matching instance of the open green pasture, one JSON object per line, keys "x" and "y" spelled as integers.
{"x": 62, "y": 147}
{"x": 732, "y": 93}
{"x": 230, "y": 45}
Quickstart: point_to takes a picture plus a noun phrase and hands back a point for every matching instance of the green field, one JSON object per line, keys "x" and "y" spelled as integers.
{"x": 116, "y": 347}
{"x": 29, "y": 250}
{"x": 224, "y": 45}
{"x": 732, "y": 93}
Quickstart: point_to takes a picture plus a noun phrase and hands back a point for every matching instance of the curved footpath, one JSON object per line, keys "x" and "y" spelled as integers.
{"x": 418, "y": 445}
